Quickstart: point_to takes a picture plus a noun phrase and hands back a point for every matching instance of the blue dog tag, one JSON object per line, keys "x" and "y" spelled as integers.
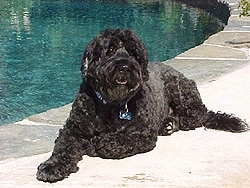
{"x": 125, "y": 115}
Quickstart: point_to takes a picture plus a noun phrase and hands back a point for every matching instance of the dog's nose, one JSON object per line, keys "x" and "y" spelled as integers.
{"x": 122, "y": 52}
{"x": 123, "y": 68}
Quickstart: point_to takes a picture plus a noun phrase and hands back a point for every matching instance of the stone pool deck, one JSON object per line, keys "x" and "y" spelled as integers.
{"x": 200, "y": 158}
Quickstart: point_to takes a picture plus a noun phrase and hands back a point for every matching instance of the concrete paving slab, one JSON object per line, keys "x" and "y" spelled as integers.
{"x": 236, "y": 24}
{"x": 215, "y": 52}
{"x": 230, "y": 39}
{"x": 206, "y": 70}
{"x": 53, "y": 117}
{"x": 26, "y": 140}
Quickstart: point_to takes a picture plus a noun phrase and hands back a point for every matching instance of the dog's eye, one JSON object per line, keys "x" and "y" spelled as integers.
{"x": 132, "y": 52}
{"x": 110, "y": 51}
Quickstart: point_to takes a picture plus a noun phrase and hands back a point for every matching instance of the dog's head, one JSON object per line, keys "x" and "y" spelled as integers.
{"x": 115, "y": 65}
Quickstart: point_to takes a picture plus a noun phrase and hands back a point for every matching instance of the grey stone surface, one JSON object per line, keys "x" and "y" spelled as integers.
{"x": 205, "y": 70}
{"x": 55, "y": 116}
{"x": 233, "y": 40}
{"x": 238, "y": 24}
{"x": 26, "y": 140}
{"x": 213, "y": 52}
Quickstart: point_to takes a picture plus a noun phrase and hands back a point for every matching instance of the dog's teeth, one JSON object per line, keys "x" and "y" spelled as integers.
{"x": 122, "y": 83}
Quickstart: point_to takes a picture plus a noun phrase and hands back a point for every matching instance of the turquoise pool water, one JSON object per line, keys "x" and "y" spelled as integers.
{"x": 41, "y": 44}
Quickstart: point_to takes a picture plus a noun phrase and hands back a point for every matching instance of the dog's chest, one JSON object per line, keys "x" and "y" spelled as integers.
{"x": 143, "y": 114}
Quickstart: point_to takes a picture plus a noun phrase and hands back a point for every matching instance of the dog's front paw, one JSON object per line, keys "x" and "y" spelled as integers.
{"x": 50, "y": 171}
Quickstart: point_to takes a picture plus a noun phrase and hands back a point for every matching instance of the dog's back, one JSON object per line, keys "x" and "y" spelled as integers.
{"x": 186, "y": 108}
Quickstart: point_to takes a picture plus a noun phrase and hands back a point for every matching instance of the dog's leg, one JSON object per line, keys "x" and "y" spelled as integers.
{"x": 67, "y": 152}
{"x": 124, "y": 144}
{"x": 187, "y": 105}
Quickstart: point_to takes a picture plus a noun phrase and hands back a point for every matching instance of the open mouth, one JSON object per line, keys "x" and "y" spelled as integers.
{"x": 121, "y": 82}
{"x": 121, "y": 79}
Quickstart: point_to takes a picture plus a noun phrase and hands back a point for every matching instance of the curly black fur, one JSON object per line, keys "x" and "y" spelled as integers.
{"x": 118, "y": 79}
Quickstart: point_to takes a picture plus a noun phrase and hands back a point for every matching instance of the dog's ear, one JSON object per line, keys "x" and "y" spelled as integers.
{"x": 145, "y": 75}
{"x": 92, "y": 53}
{"x": 84, "y": 66}
{"x": 144, "y": 64}
{"x": 85, "y": 63}
{"x": 88, "y": 57}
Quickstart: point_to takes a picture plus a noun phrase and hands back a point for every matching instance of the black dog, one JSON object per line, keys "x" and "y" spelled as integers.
{"x": 124, "y": 103}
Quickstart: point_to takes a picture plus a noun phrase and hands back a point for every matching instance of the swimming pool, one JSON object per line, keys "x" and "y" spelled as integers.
{"x": 41, "y": 44}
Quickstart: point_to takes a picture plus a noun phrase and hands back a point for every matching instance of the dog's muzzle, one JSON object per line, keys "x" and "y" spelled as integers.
{"x": 122, "y": 75}
{"x": 123, "y": 69}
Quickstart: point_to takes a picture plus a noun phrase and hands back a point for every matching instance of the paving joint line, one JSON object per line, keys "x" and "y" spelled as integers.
{"x": 212, "y": 58}
{"x": 238, "y": 31}
{"x": 221, "y": 46}
{"x": 28, "y": 122}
